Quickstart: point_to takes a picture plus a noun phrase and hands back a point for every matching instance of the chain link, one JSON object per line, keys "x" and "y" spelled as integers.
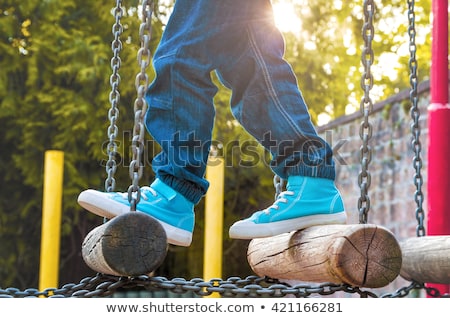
{"x": 278, "y": 184}
{"x": 140, "y": 105}
{"x": 366, "y": 107}
{"x": 415, "y": 125}
{"x": 114, "y": 98}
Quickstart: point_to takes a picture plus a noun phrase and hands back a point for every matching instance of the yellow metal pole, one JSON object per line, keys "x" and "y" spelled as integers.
{"x": 212, "y": 257}
{"x": 51, "y": 219}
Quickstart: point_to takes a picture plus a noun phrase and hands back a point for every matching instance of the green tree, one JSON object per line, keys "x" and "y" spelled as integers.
{"x": 54, "y": 94}
{"x": 326, "y": 52}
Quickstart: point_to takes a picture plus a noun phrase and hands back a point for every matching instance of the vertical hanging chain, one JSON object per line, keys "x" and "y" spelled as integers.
{"x": 366, "y": 107}
{"x": 114, "y": 98}
{"x": 279, "y": 185}
{"x": 415, "y": 125}
{"x": 140, "y": 105}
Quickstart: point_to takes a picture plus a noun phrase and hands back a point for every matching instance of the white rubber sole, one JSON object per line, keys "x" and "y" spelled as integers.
{"x": 248, "y": 230}
{"x": 98, "y": 203}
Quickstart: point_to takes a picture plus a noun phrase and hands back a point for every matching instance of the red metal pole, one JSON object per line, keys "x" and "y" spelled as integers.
{"x": 438, "y": 189}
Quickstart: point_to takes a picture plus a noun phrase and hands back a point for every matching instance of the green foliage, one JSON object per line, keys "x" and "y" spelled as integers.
{"x": 54, "y": 94}
{"x": 326, "y": 52}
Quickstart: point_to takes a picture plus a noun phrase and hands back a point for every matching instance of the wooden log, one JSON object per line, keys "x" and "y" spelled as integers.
{"x": 130, "y": 244}
{"x": 360, "y": 255}
{"x": 426, "y": 259}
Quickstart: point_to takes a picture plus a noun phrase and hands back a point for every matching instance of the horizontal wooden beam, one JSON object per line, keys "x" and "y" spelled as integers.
{"x": 361, "y": 255}
{"x": 426, "y": 259}
{"x": 130, "y": 244}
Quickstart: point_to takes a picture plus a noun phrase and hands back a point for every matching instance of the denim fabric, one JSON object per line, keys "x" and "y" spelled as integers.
{"x": 238, "y": 40}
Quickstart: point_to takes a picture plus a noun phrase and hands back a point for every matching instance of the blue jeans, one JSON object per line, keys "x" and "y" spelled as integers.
{"x": 239, "y": 41}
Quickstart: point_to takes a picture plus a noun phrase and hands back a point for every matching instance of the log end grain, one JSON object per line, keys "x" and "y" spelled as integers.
{"x": 369, "y": 256}
{"x": 131, "y": 244}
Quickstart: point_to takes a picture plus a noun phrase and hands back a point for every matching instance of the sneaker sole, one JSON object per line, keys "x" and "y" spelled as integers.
{"x": 91, "y": 200}
{"x": 248, "y": 230}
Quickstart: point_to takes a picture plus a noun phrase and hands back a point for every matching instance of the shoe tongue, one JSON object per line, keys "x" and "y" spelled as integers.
{"x": 163, "y": 189}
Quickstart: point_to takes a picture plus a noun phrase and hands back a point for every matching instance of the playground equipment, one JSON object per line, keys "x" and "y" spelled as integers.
{"x": 51, "y": 218}
{"x": 384, "y": 258}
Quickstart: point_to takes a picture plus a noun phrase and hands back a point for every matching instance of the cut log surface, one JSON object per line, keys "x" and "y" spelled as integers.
{"x": 426, "y": 259}
{"x": 360, "y": 255}
{"x": 131, "y": 244}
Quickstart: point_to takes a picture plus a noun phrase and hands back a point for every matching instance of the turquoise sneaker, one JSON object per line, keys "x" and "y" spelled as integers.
{"x": 171, "y": 209}
{"x": 307, "y": 201}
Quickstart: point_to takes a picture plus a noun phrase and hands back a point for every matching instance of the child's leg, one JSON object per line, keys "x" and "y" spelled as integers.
{"x": 199, "y": 37}
{"x": 266, "y": 99}
{"x": 268, "y": 103}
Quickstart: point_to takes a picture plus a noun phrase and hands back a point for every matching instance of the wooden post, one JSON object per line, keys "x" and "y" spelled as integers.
{"x": 51, "y": 219}
{"x": 359, "y": 255}
{"x": 426, "y": 259}
{"x": 130, "y": 244}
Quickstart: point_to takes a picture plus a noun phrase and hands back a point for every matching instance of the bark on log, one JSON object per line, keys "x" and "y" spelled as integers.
{"x": 426, "y": 259}
{"x": 130, "y": 244}
{"x": 360, "y": 255}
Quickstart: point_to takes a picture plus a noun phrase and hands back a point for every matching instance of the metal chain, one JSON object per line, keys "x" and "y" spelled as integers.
{"x": 250, "y": 287}
{"x": 278, "y": 184}
{"x": 140, "y": 105}
{"x": 366, "y": 107}
{"x": 415, "y": 125}
{"x": 114, "y": 98}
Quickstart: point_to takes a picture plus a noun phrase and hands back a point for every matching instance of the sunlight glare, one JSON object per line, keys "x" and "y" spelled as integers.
{"x": 286, "y": 18}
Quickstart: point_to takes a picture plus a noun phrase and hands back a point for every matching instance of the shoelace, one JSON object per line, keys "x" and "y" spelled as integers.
{"x": 280, "y": 199}
{"x": 144, "y": 191}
